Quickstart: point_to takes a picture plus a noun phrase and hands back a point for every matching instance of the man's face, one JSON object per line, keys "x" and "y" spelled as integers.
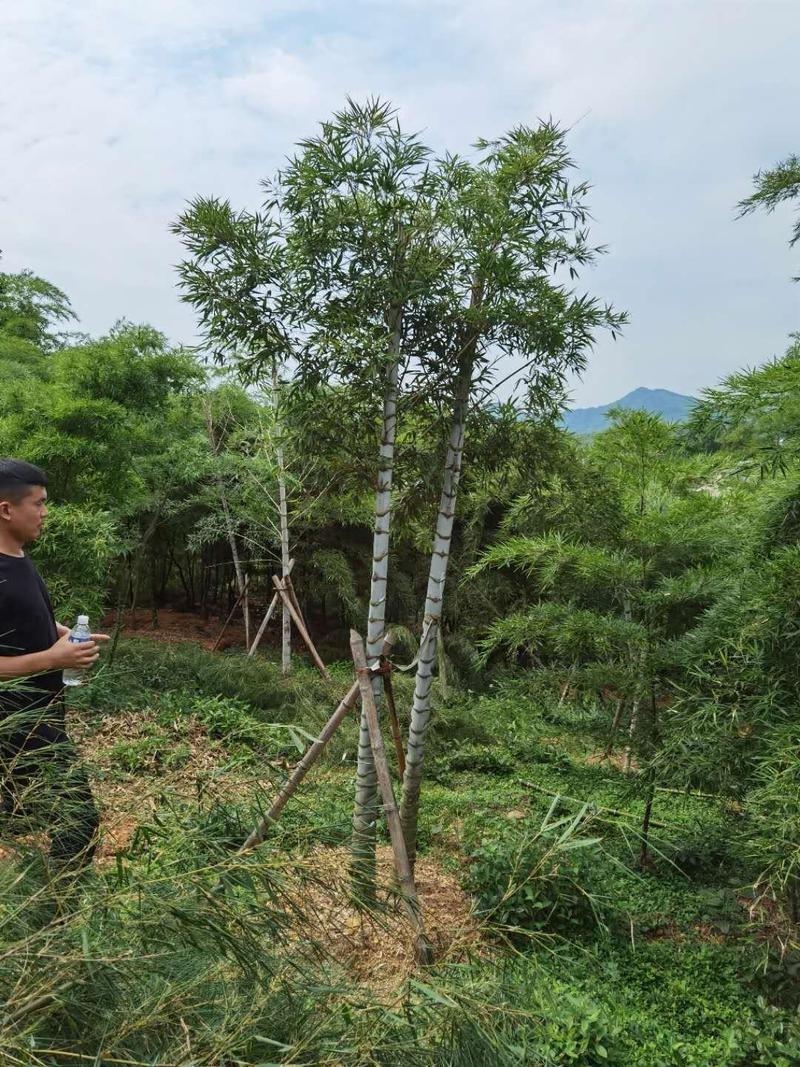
{"x": 24, "y": 518}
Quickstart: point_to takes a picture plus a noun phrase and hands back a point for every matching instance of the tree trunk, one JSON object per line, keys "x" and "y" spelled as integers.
{"x": 283, "y": 519}
{"x": 365, "y": 810}
{"x": 421, "y": 710}
{"x": 153, "y": 590}
{"x": 237, "y": 563}
{"x": 652, "y": 747}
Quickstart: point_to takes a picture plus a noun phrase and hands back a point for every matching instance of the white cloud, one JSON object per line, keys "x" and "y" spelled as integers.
{"x": 115, "y": 114}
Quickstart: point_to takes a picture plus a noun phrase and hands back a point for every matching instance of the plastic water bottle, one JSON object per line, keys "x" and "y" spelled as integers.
{"x": 81, "y": 632}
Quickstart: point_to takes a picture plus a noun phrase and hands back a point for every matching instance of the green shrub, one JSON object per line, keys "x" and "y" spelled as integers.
{"x": 538, "y": 881}
{"x": 74, "y": 556}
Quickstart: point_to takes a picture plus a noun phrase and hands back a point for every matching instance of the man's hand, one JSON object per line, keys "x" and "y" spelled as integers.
{"x": 66, "y": 654}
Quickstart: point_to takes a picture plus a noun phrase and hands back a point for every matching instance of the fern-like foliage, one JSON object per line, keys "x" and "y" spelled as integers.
{"x": 563, "y": 633}
{"x": 551, "y": 563}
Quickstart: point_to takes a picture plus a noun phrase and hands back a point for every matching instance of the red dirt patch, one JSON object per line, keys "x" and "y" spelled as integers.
{"x": 182, "y": 626}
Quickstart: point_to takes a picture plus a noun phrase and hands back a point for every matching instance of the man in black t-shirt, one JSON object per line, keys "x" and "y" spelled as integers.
{"x": 39, "y": 773}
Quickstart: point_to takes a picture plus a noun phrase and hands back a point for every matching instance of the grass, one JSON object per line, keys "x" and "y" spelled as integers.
{"x": 585, "y": 960}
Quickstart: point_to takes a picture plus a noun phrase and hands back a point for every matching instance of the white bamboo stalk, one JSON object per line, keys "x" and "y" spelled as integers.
{"x": 283, "y": 512}
{"x": 437, "y": 576}
{"x": 316, "y": 659}
{"x": 631, "y": 733}
{"x": 365, "y": 809}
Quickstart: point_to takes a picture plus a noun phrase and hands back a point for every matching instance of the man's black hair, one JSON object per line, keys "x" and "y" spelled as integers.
{"x": 17, "y": 478}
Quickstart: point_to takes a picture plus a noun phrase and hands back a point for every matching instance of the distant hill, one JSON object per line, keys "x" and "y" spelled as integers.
{"x": 674, "y": 407}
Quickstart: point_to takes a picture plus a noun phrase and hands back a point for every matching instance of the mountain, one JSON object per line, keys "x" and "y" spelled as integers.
{"x": 674, "y": 407}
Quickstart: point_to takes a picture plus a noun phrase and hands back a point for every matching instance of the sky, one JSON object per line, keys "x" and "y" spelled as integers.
{"x": 114, "y": 114}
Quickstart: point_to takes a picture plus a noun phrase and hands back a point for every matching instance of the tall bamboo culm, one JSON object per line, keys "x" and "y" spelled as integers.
{"x": 283, "y": 514}
{"x": 365, "y": 809}
{"x": 437, "y": 576}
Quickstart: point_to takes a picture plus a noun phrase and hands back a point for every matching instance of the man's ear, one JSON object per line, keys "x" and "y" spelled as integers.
{"x": 5, "y": 510}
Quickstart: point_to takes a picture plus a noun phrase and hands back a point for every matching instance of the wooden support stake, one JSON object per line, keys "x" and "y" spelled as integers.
{"x": 424, "y": 950}
{"x": 311, "y": 756}
{"x": 287, "y": 581}
{"x": 298, "y": 621}
{"x": 388, "y": 690}
{"x": 265, "y": 623}
{"x": 239, "y": 599}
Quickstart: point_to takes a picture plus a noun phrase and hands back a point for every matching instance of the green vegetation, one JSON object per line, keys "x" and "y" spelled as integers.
{"x": 600, "y": 703}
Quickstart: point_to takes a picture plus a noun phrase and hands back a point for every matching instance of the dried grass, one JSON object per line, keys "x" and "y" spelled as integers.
{"x": 376, "y": 947}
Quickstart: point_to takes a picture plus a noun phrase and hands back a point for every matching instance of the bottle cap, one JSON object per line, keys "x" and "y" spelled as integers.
{"x": 83, "y": 620}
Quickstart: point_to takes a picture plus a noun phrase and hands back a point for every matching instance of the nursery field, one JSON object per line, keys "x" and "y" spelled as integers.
{"x": 552, "y": 681}
{"x": 553, "y": 944}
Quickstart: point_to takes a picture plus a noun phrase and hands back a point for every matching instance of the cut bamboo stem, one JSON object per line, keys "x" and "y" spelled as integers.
{"x": 388, "y": 689}
{"x": 240, "y": 597}
{"x": 311, "y": 756}
{"x": 423, "y": 948}
{"x": 265, "y": 623}
{"x": 287, "y": 600}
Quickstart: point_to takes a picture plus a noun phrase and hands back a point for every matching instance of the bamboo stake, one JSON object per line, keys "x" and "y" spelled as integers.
{"x": 388, "y": 689}
{"x": 239, "y": 599}
{"x": 270, "y": 611}
{"x": 287, "y": 581}
{"x": 311, "y": 756}
{"x": 287, "y": 600}
{"x": 423, "y": 948}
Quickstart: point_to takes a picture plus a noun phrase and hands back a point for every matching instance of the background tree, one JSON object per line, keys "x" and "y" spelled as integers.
{"x": 30, "y": 309}
{"x": 774, "y": 187}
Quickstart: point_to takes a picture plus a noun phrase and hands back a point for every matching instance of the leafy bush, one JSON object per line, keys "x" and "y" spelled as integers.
{"x": 537, "y": 881}
{"x": 74, "y": 556}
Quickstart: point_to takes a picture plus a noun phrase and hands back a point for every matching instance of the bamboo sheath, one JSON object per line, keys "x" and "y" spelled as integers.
{"x": 405, "y": 878}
